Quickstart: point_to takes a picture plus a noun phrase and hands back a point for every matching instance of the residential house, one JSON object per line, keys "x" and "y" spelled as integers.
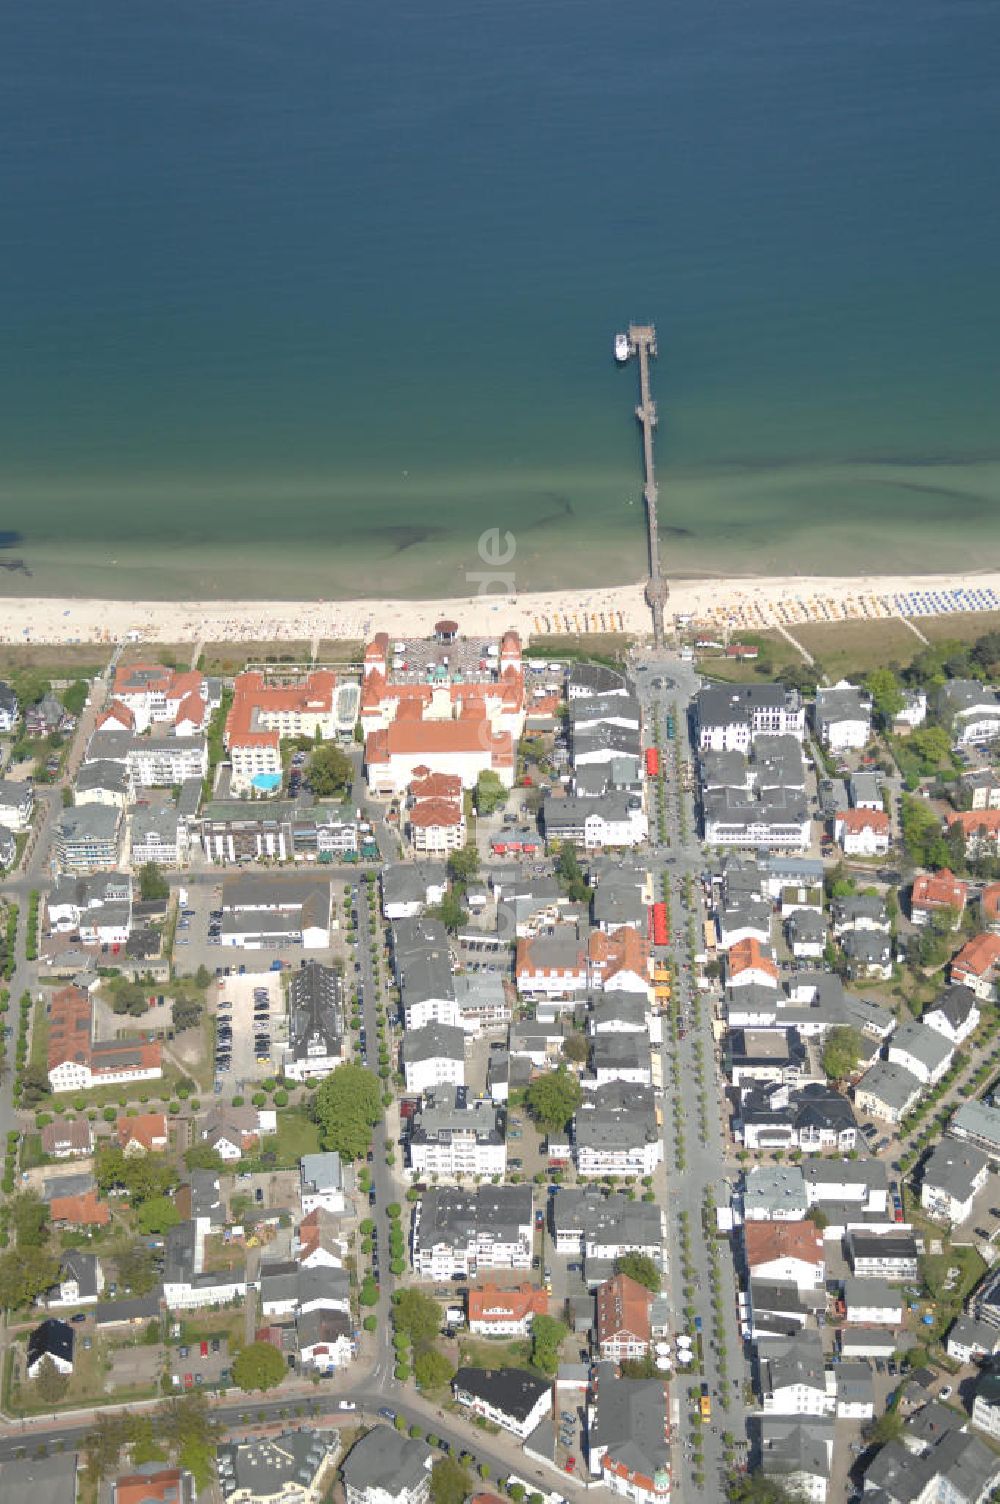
{"x": 81, "y": 1280}
{"x": 459, "y": 1232}
{"x": 511, "y": 1398}
{"x": 986, "y": 1402}
{"x": 813, "y": 1118}
{"x": 954, "y": 1015}
{"x": 387, "y": 1467}
{"x": 88, "y": 838}
{"x": 83, "y": 1209}
{"x": 316, "y": 1044}
{"x": 807, "y": 934}
{"x": 888, "y": 1091}
{"x": 263, "y": 911}
{"x": 981, "y": 829}
{"x": 891, "y": 1256}
{"x": 873, "y": 1302}
{"x": 774, "y": 1193}
{"x": 9, "y": 708}
{"x": 552, "y": 965}
{"x": 76, "y": 1062}
{"x": 953, "y": 1175}
{"x": 450, "y": 1137}
{"x": 938, "y": 893}
{"x": 792, "y": 1375}
{"x": 408, "y": 888}
{"x": 141, "y": 1135}
{"x": 615, "y": 1130}
{"x": 433, "y": 1056}
{"x": 751, "y": 964}
{"x": 505, "y": 1313}
{"x": 969, "y": 1339}
{"x": 924, "y": 1052}
{"x": 860, "y": 911}
{"x": 151, "y": 1483}
{"x": 970, "y": 709}
{"x": 868, "y": 955}
{"x": 67, "y": 1139}
{"x": 619, "y": 961}
{"x": 785, "y": 1250}
{"x": 730, "y": 717}
{"x": 978, "y": 1123}
{"x": 294, "y": 1467}
{"x": 798, "y": 1453}
{"x": 624, "y": 1328}
{"x": 975, "y": 966}
{"x": 52, "y": 1340}
{"x": 843, "y": 716}
{"x": 17, "y": 800}
{"x": 862, "y": 832}
{"x": 628, "y": 1429}
{"x": 855, "y": 1390}
{"x": 321, "y": 1183}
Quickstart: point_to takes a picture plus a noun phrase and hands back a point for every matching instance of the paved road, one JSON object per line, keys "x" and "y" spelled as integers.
{"x": 705, "y": 1158}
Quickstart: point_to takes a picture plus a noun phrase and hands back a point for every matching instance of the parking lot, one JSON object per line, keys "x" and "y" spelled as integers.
{"x": 197, "y": 1363}
{"x": 251, "y": 1026}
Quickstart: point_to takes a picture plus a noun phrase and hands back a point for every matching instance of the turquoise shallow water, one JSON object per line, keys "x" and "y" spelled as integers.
{"x": 298, "y": 300}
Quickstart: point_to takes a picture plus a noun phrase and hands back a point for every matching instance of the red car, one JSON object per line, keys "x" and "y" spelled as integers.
{"x": 570, "y": 1464}
{"x": 189, "y": 1381}
{"x": 204, "y": 1349}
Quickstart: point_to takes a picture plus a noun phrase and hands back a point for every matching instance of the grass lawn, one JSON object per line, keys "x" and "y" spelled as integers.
{"x": 946, "y": 1304}
{"x": 341, "y": 650}
{"x": 777, "y": 653}
{"x": 38, "y": 1053}
{"x": 610, "y": 647}
{"x": 170, "y": 654}
{"x": 56, "y": 659}
{"x": 297, "y": 1135}
{"x": 88, "y": 1382}
{"x": 202, "y": 1326}
{"x": 233, "y": 657}
{"x": 847, "y": 648}
{"x": 964, "y": 626}
{"x": 493, "y": 1353}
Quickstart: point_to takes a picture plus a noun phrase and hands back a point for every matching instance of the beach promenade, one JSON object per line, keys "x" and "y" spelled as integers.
{"x": 732, "y": 604}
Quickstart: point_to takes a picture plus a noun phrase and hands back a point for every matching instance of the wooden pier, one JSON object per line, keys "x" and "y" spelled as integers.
{"x": 642, "y": 342}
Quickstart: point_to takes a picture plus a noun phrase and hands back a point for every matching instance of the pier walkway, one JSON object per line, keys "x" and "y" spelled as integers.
{"x": 642, "y": 341}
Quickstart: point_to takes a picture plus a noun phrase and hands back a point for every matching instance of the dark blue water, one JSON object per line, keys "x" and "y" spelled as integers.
{"x": 298, "y": 298}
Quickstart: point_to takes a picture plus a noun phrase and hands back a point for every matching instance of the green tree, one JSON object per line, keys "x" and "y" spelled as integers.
{"x": 129, "y": 997}
{"x": 329, "y": 772}
{"x": 547, "y": 1337}
{"x": 818, "y": 1217}
{"x": 571, "y": 874}
{"x": 157, "y": 1215}
{"x": 142, "y": 1177}
{"x": 932, "y": 745}
{"x": 347, "y": 1106}
{"x": 888, "y": 1427}
{"x": 754, "y": 1488}
{"x": 576, "y": 1048}
{"x": 203, "y": 977}
{"x": 136, "y": 1271}
{"x": 450, "y": 912}
{"x": 74, "y": 697}
{"x": 418, "y": 1316}
{"x": 50, "y": 1384}
{"x": 841, "y": 1052}
{"x": 553, "y": 1099}
{"x": 923, "y": 842}
{"x": 186, "y": 1427}
{"x": 30, "y": 1217}
{"x": 640, "y": 1267}
{"x": 203, "y": 1157}
{"x": 451, "y": 1483}
{"x": 187, "y": 1012}
{"x": 152, "y": 882}
{"x": 259, "y": 1366}
{"x": 887, "y": 697}
{"x": 431, "y": 1369}
{"x": 490, "y": 793}
{"x": 23, "y": 1280}
{"x": 34, "y": 1085}
{"x": 463, "y": 864}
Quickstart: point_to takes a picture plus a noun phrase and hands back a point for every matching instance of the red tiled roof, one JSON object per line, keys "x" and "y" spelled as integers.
{"x": 76, "y": 1134}
{"x": 191, "y": 708}
{"x": 116, "y": 711}
{"x": 147, "y": 1128}
{"x": 487, "y": 1301}
{"x": 855, "y": 821}
{"x": 747, "y": 955}
{"x": 408, "y": 738}
{"x": 977, "y": 957}
{"x": 251, "y": 693}
{"x": 435, "y": 785}
{"x": 430, "y": 812}
{"x": 625, "y": 949}
{"x": 765, "y": 1241}
{"x": 135, "y": 1488}
{"x": 82, "y": 1211}
{"x": 989, "y": 900}
{"x": 69, "y": 1027}
{"x": 939, "y": 890}
{"x": 973, "y": 821}
{"x": 623, "y": 1305}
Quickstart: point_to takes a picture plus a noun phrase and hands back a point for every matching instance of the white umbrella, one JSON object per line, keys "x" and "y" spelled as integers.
{"x": 663, "y": 1364}
{"x": 684, "y": 1355}
{"x": 662, "y": 1349}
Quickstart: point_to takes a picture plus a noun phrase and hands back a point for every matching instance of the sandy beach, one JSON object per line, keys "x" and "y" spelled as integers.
{"x": 732, "y": 604}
